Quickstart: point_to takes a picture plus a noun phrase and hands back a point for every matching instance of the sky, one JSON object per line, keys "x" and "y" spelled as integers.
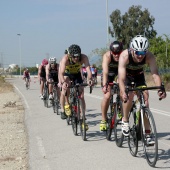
{"x": 48, "y": 27}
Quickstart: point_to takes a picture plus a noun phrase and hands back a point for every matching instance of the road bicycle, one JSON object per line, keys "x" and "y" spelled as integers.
{"x": 77, "y": 112}
{"x": 114, "y": 117}
{"x": 55, "y": 100}
{"x": 143, "y": 127}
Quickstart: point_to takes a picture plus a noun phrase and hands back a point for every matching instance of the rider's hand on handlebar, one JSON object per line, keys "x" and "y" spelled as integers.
{"x": 105, "y": 89}
{"x": 161, "y": 94}
{"x": 124, "y": 97}
{"x": 90, "y": 82}
{"x": 64, "y": 85}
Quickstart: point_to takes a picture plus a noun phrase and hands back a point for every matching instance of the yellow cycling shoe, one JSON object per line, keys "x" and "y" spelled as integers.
{"x": 86, "y": 125}
{"x": 67, "y": 110}
{"x": 103, "y": 126}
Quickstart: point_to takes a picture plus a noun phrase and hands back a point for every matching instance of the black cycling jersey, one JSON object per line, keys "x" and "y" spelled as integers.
{"x": 43, "y": 73}
{"x": 113, "y": 67}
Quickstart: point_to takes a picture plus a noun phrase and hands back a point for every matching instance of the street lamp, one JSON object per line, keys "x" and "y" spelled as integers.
{"x": 19, "y": 35}
{"x": 107, "y": 19}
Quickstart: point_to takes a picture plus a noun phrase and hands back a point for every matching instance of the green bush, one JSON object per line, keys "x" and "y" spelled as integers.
{"x": 166, "y": 78}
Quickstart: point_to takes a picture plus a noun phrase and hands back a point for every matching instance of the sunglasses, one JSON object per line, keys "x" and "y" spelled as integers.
{"x": 116, "y": 53}
{"x": 140, "y": 53}
{"x": 76, "y": 56}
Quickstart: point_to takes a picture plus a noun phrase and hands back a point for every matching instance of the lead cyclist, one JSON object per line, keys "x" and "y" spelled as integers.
{"x": 70, "y": 67}
{"x": 131, "y": 69}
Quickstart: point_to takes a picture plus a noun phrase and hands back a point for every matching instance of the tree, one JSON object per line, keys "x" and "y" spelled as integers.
{"x": 132, "y": 23}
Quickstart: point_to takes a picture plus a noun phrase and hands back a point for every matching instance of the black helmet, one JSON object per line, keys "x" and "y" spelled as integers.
{"x": 74, "y": 50}
{"x": 116, "y": 47}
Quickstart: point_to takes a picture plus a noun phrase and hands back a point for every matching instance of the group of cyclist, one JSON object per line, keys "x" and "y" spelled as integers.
{"x": 124, "y": 67}
{"x": 119, "y": 65}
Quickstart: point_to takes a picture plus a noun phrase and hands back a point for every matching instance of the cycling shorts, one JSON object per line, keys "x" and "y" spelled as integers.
{"x": 139, "y": 80}
{"x": 76, "y": 78}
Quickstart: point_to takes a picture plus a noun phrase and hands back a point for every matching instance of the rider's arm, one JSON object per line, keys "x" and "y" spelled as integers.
{"x": 62, "y": 69}
{"x": 47, "y": 71}
{"x": 150, "y": 59}
{"x": 87, "y": 66}
{"x": 105, "y": 67}
{"x": 123, "y": 59}
{"x": 39, "y": 71}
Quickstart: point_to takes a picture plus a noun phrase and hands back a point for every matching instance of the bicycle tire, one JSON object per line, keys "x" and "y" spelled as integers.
{"x": 151, "y": 157}
{"x": 46, "y": 96}
{"x": 54, "y": 101}
{"x": 82, "y": 121}
{"x": 132, "y": 139}
{"x": 119, "y": 137}
{"x": 74, "y": 120}
{"x": 110, "y": 122}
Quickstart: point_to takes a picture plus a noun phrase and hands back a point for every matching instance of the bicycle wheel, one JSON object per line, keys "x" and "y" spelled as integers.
{"x": 151, "y": 150}
{"x": 26, "y": 84}
{"x": 54, "y": 101}
{"x": 45, "y": 96}
{"x": 74, "y": 119}
{"x": 110, "y": 122}
{"x": 118, "y": 125}
{"x": 132, "y": 139}
{"x": 82, "y": 121}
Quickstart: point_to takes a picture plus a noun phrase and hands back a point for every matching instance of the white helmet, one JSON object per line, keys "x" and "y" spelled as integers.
{"x": 139, "y": 43}
{"x": 52, "y": 60}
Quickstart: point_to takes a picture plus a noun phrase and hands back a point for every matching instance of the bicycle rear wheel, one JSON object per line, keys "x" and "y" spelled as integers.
{"x": 110, "y": 122}
{"x": 46, "y": 96}
{"x": 151, "y": 150}
{"x": 118, "y": 125}
{"x": 132, "y": 139}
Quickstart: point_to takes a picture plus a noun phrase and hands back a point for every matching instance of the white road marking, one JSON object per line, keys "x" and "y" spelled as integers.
{"x": 25, "y": 101}
{"x": 42, "y": 152}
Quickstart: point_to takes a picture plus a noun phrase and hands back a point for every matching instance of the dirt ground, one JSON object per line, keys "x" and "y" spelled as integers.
{"x": 13, "y": 134}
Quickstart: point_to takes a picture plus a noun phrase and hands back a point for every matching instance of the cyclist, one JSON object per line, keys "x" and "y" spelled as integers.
{"x": 130, "y": 69}
{"x": 70, "y": 69}
{"x": 109, "y": 74}
{"x": 42, "y": 76}
{"x": 52, "y": 75}
{"x": 26, "y": 76}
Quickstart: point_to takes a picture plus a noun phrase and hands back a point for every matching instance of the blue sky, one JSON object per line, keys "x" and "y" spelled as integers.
{"x": 48, "y": 27}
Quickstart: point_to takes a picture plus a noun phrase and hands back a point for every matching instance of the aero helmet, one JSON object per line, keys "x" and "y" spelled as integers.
{"x": 44, "y": 62}
{"x": 52, "y": 60}
{"x": 139, "y": 43}
{"x": 74, "y": 50}
{"x": 116, "y": 47}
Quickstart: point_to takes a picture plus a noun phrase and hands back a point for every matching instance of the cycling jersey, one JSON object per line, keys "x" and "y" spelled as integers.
{"x": 73, "y": 68}
{"x": 53, "y": 73}
{"x": 43, "y": 73}
{"x": 26, "y": 74}
{"x": 134, "y": 68}
{"x": 113, "y": 69}
{"x": 135, "y": 72}
{"x": 73, "y": 71}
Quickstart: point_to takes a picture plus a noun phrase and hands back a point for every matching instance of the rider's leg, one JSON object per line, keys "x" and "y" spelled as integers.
{"x": 105, "y": 103}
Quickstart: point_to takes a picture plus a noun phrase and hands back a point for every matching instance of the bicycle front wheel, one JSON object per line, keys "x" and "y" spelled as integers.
{"x": 45, "y": 96}
{"x": 150, "y": 143}
{"x": 82, "y": 121}
{"x": 132, "y": 139}
{"x": 118, "y": 125}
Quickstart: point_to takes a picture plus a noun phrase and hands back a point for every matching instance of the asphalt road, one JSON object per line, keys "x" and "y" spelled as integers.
{"x": 53, "y": 146}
